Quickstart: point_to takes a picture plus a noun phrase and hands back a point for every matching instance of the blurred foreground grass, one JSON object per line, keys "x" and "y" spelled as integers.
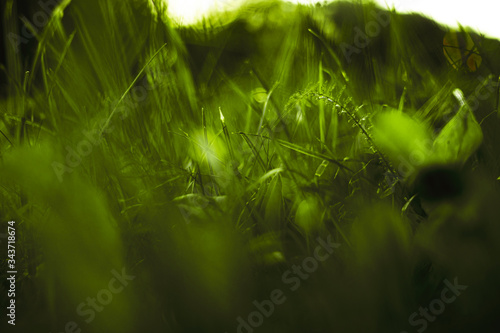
{"x": 211, "y": 165}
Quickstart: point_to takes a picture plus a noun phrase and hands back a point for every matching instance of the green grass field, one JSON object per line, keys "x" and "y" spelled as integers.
{"x": 279, "y": 168}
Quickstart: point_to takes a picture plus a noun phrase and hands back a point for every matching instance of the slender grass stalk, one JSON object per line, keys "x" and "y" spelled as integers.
{"x": 106, "y": 123}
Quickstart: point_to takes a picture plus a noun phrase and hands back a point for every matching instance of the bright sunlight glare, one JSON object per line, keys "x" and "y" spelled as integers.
{"x": 478, "y": 14}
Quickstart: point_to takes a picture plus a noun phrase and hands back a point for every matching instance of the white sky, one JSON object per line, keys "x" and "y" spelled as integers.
{"x": 482, "y": 15}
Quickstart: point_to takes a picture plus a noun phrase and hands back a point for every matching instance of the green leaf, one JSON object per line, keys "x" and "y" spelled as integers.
{"x": 308, "y": 216}
{"x": 459, "y": 138}
{"x": 402, "y": 138}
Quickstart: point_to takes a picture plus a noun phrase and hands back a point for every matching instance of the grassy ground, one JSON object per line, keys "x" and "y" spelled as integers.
{"x": 278, "y": 168}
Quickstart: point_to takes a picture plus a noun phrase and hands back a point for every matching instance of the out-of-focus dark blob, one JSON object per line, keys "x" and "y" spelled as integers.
{"x": 439, "y": 183}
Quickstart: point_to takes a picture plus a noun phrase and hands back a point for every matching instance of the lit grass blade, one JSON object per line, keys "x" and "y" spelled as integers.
{"x": 106, "y": 123}
{"x": 311, "y": 153}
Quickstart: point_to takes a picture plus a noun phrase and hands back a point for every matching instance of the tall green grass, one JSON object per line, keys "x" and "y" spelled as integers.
{"x": 208, "y": 160}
